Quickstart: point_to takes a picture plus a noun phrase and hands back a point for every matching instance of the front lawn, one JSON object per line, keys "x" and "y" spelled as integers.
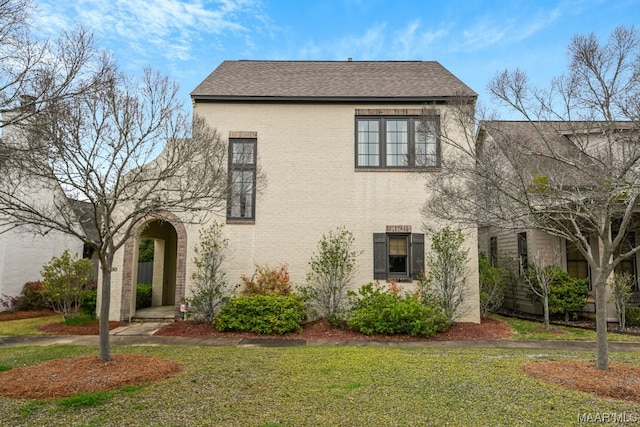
{"x": 534, "y": 331}
{"x": 27, "y": 326}
{"x": 324, "y": 386}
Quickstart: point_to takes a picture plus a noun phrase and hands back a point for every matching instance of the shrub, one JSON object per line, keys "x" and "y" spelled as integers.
{"x": 80, "y": 319}
{"x": 90, "y": 301}
{"x": 262, "y": 314}
{"x": 143, "y": 295}
{"x": 492, "y": 286}
{"x": 566, "y": 294}
{"x": 66, "y": 282}
{"x": 211, "y": 290}
{"x": 632, "y": 316}
{"x": 620, "y": 294}
{"x": 376, "y": 310}
{"x": 31, "y": 298}
{"x": 9, "y": 302}
{"x": 331, "y": 274}
{"x": 268, "y": 280}
{"x": 446, "y": 272}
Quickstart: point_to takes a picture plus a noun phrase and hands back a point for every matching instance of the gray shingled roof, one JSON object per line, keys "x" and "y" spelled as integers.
{"x": 411, "y": 80}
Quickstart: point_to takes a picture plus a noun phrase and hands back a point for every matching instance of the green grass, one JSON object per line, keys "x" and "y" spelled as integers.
{"x": 27, "y": 326}
{"x": 82, "y": 400}
{"x": 534, "y": 331}
{"x": 325, "y": 386}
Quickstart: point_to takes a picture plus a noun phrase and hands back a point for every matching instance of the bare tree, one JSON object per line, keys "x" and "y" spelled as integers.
{"x": 571, "y": 168}
{"x": 45, "y": 70}
{"x": 539, "y": 275}
{"x": 124, "y": 151}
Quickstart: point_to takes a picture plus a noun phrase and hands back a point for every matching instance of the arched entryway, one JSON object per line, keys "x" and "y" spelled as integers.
{"x": 169, "y": 264}
{"x": 165, "y": 250}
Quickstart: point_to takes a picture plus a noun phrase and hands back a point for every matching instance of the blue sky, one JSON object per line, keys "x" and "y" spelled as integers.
{"x": 187, "y": 39}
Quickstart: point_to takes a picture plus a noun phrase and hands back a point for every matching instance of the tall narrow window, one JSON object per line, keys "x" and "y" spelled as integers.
{"x": 493, "y": 251}
{"x": 242, "y": 179}
{"x": 523, "y": 256}
{"x": 577, "y": 265}
{"x": 426, "y": 150}
{"x": 397, "y": 143}
{"x": 628, "y": 265}
{"x": 368, "y": 143}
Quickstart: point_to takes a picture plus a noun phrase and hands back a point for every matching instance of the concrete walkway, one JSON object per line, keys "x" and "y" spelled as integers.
{"x": 142, "y": 334}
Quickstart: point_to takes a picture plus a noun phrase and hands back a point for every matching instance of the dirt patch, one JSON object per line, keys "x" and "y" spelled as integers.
{"x": 489, "y": 329}
{"x": 65, "y": 377}
{"x": 618, "y": 382}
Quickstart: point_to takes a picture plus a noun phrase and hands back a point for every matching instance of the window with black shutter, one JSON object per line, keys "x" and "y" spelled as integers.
{"x": 398, "y": 255}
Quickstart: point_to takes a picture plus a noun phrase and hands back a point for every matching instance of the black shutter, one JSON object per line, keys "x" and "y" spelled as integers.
{"x": 379, "y": 256}
{"x": 417, "y": 254}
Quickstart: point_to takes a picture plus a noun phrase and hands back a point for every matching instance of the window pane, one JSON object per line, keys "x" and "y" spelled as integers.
{"x": 368, "y": 143}
{"x": 397, "y": 245}
{"x": 426, "y": 144}
{"x": 398, "y": 255}
{"x": 397, "y": 142}
{"x": 242, "y": 153}
{"x": 241, "y": 203}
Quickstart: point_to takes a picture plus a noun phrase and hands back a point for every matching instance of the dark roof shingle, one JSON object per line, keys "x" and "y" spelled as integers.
{"x": 331, "y": 79}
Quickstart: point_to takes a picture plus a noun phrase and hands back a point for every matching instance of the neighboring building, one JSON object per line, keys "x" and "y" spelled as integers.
{"x": 22, "y": 252}
{"x": 519, "y": 246}
{"x": 342, "y": 144}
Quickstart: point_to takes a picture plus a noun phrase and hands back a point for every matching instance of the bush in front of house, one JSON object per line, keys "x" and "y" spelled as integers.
{"x": 492, "y": 286}
{"x": 90, "y": 302}
{"x": 632, "y": 316}
{"x": 31, "y": 298}
{"x": 332, "y": 271}
{"x": 211, "y": 289}
{"x": 143, "y": 295}
{"x": 262, "y": 314}
{"x": 566, "y": 294}
{"x": 268, "y": 280}
{"x": 67, "y": 280}
{"x": 446, "y": 271}
{"x": 376, "y": 310}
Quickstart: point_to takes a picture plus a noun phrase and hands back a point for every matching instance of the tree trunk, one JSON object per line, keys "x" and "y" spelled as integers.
{"x": 602, "y": 352}
{"x": 545, "y": 309}
{"x": 105, "y": 303}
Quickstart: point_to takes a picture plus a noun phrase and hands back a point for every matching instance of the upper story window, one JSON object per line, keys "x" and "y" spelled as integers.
{"x": 242, "y": 179}
{"x": 397, "y": 141}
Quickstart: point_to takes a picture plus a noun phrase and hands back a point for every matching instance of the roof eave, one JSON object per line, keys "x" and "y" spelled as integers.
{"x": 331, "y": 99}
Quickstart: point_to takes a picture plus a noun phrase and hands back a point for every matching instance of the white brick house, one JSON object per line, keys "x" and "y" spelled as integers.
{"x": 341, "y": 145}
{"x": 23, "y": 252}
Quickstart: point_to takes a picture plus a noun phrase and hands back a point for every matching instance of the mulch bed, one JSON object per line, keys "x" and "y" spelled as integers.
{"x": 489, "y": 329}
{"x": 618, "y": 382}
{"x": 66, "y": 377}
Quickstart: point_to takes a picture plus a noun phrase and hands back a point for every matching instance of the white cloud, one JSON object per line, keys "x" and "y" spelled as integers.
{"x": 412, "y": 41}
{"x": 365, "y": 46}
{"x": 490, "y": 30}
{"x": 151, "y": 28}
